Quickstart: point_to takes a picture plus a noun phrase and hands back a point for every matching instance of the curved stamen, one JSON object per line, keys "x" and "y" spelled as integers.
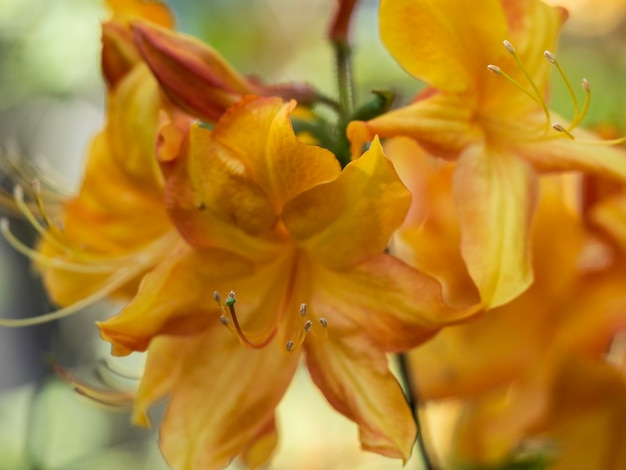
{"x": 511, "y": 50}
{"x": 230, "y": 320}
{"x": 552, "y": 59}
{"x": 110, "y": 285}
{"x": 307, "y": 328}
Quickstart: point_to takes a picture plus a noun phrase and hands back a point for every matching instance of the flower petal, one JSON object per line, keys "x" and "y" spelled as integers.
{"x": 397, "y": 306}
{"x": 495, "y": 193}
{"x": 430, "y": 238}
{"x": 351, "y": 218}
{"x": 354, "y": 377}
{"x": 155, "y": 11}
{"x": 578, "y": 155}
{"x": 223, "y": 400}
{"x": 445, "y": 46}
{"x": 175, "y": 298}
{"x": 440, "y": 122}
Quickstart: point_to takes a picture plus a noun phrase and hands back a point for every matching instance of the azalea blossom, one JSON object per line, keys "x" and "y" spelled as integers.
{"x": 514, "y": 368}
{"x": 485, "y": 107}
{"x": 300, "y": 245}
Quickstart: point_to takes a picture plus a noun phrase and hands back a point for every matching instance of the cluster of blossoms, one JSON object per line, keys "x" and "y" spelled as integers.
{"x": 472, "y": 230}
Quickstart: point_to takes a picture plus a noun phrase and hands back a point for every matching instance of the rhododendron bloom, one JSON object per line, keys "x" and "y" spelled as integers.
{"x": 485, "y": 107}
{"x": 300, "y": 243}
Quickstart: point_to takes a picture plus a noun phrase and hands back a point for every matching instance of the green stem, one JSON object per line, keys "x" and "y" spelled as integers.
{"x": 411, "y": 398}
{"x": 345, "y": 83}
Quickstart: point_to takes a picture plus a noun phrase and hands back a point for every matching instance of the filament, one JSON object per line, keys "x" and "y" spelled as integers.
{"x": 110, "y": 285}
{"x": 552, "y": 59}
{"x": 230, "y": 320}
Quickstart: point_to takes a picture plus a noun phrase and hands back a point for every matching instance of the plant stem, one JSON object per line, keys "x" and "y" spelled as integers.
{"x": 345, "y": 83}
{"x": 411, "y": 397}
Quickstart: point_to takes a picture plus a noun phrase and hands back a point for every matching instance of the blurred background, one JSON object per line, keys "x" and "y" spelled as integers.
{"x": 51, "y": 104}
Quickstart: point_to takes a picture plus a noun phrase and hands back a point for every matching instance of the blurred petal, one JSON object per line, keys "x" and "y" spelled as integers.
{"x": 262, "y": 448}
{"x": 430, "y": 42}
{"x": 430, "y": 238}
{"x": 119, "y": 53}
{"x": 495, "y": 195}
{"x": 354, "y": 377}
{"x": 351, "y": 218}
{"x": 151, "y": 10}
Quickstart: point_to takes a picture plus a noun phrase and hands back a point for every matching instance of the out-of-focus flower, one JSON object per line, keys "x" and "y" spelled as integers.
{"x": 497, "y": 125}
{"x": 117, "y": 227}
{"x": 302, "y": 244}
{"x": 512, "y": 364}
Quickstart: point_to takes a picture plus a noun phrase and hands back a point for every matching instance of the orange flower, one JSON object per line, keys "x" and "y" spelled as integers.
{"x": 116, "y": 228}
{"x": 497, "y": 125}
{"x": 302, "y": 244}
{"x": 514, "y": 366}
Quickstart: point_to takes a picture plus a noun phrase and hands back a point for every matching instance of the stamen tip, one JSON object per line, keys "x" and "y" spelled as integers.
{"x": 224, "y": 321}
{"x": 323, "y": 322}
{"x": 307, "y": 326}
{"x": 289, "y": 346}
{"x": 585, "y": 84}
{"x": 495, "y": 69}
{"x": 4, "y": 224}
{"x": 509, "y": 47}
{"x": 217, "y": 297}
{"x": 36, "y": 185}
{"x": 231, "y": 300}
{"x": 550, "y": 56}
{"x": 558, "y": 127}
{"x": 303, "y": 309}
{"x": 18, "y": 192}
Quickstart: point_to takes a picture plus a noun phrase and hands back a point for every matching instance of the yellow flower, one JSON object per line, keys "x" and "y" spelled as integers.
{"x": 497, "y": 125}
{"x": 302, "y": 244}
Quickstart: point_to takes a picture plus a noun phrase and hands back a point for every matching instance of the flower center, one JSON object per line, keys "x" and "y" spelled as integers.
{"x": 229, "y": 320}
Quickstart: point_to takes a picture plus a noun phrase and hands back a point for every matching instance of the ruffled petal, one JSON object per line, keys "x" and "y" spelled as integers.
{"x": 355, "y": 378}
{"x": 430, "y": 39}
{"x": 271, "y": 155}
{"x": 395, "y": 305}
{"x": 495, "y": 194}
{"x": 351, "y": 218}
{"x": 223, "y": 401}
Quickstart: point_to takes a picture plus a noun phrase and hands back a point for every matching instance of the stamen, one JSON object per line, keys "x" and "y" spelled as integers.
{"x": 230, "y": 320}
{"x": 109, "y": 286}
{"x": 578, "y": 119}
{"x": 307, "y": 327}
{"x": 552, "y": 59}
{"x": 559, "y": 128}
{"x": 303, "y": 309}
{"x": 59, "y": 263}
{"x": 498, "y": 71}
{"x": 511, "y": 50}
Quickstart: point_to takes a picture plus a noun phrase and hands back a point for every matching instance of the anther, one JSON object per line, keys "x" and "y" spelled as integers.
{"x": 509, "y": 47}
{"x": 586, "y": 86}
{"x": 289, "y": 346}
{"x": 4, "y": 224}
{"x": 323, "y": 322}
{"x": 550, "y": 56}
{"x": 559, "y": 128}
{"x": 303, "y": 309}
{"x": 495, "y": 69}
{"x": 307, "y": 326}
{"x": 224, "y": 320}
{"x": 217, "y": 297}
{"x": 18, "y": 192}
